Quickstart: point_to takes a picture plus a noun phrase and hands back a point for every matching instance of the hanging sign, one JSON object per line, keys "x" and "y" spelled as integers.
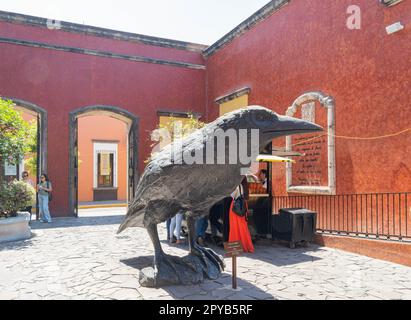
{"x": 10, "y": 169}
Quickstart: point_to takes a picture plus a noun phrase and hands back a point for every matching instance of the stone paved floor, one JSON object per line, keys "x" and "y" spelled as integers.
{"x": 84, "y": 259}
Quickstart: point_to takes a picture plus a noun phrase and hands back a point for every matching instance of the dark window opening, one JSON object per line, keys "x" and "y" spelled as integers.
{"x": 105, "y": 170}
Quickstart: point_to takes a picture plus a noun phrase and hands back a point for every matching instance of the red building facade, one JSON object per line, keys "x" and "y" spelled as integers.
{"x": 285, "y": 50}
{"x": 306, "y": 46}
{"x": 62, "y": 70}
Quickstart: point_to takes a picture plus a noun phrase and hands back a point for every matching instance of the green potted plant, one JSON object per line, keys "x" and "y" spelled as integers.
{"x": 14, "y": 197}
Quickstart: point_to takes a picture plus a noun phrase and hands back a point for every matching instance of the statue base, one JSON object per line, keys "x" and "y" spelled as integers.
{"x": 172, "y": 270}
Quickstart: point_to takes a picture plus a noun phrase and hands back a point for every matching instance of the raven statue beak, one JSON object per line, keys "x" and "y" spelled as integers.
{"x": 286, "y": 126}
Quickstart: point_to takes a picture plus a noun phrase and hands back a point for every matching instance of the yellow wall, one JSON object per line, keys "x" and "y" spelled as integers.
{"x": 235, "y": 104}
{"x": 164, "y": 120}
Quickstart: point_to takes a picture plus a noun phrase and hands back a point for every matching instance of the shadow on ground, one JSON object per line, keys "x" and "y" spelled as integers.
{"x": 21, "y": 244}
{"x": 278, "y": 254}
{"x": 274, "y": 252}
{"x": 219, "y": 289}
{"x": 77, "y": 222}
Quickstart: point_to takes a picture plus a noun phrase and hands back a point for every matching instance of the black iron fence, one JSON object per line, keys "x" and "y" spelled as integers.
{"x": 385, "y": 216}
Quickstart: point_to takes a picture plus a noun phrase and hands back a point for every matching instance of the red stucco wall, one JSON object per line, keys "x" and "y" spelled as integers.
{"x": 303, "y": 47}
{"x": 61, "y": 82}
{"x": 59, "y": 37}
{"x": 306, "y": 46}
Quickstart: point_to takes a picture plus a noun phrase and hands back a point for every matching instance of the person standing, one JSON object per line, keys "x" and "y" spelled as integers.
{"x": 25, "y": 176}
{"x": 226, "y": 217}
{"x": 238, "y": 224}
{"x": 44, "y": 189}
{"x": 216, "y": 213}
{"x": 201, "y": 228}
{"x": 175, "y": 228}
{"x": 168, "y": 223}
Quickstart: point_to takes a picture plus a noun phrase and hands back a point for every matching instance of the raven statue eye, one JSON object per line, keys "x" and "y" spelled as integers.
{"x": 262, "y": 117}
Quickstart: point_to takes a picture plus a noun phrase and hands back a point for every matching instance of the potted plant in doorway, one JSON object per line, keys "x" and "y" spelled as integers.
{"x": 15, "y": 136}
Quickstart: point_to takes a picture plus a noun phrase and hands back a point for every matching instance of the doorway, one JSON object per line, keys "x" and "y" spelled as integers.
{"x": 103, "y": 160}
{"x": 35, "y": 162}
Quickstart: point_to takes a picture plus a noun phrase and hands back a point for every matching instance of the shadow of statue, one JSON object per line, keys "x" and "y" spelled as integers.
{"x": 218, "y": 289}
{"x": 279, "y": 254}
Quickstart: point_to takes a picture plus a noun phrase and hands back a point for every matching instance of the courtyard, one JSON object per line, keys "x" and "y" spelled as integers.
{"x": 84, "y": 258}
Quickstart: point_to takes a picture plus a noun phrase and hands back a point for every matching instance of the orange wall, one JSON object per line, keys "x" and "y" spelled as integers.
{"x": 100, "y": 128}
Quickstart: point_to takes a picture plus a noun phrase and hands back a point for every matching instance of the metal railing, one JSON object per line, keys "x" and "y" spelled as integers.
{"x": 384, "y": 216}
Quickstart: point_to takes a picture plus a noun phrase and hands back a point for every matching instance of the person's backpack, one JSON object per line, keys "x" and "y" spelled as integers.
{"x": 49, "y": 192}
{"x": 239, "y": 205}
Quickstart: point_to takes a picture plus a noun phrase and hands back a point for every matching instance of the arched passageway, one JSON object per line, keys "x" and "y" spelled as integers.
{"x": 131, "y": 122}
{"x": 39, "y": 115}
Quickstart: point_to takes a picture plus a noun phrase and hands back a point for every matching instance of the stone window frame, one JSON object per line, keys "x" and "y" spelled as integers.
{"x": 327, "y": 102}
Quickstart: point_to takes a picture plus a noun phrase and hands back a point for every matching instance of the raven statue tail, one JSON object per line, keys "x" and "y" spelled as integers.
{"x": 122, "y": 227}
{"x": 134, "y": 218}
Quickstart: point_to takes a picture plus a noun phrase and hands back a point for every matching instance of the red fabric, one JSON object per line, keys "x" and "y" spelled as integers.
{"x": 239, "y": 230}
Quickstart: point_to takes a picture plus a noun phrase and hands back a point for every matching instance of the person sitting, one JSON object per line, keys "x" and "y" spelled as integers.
{"x": 262, "y": 176}
{"x": 26, "y": 179}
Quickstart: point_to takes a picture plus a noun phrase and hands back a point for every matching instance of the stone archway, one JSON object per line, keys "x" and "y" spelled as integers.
{"x": 328, "y": 103}
{"x": 41, "y": 116}
{"x": 132, "y": 122}
{"x": 42, "y": 129}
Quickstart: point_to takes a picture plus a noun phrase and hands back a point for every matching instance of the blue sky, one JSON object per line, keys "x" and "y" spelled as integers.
{"x": 199, "y": 21}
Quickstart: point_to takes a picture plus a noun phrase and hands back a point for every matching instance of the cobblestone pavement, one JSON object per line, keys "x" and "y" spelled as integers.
{"x": 83, "y": 258}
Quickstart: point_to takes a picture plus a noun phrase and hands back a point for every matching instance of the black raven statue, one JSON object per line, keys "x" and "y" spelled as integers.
{"x": 190, "y": 175}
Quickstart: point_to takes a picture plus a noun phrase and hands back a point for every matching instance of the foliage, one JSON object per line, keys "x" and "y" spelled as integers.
{"x": 15, "y": 196}
{"x": 173, "y": 129}
{"x": 14, "y": 132}
{"x": 170, "y": 131}
{"x": 31, "y": 162}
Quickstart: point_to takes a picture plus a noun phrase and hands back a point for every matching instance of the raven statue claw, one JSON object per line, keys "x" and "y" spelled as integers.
{"x": 171, "y": 184}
